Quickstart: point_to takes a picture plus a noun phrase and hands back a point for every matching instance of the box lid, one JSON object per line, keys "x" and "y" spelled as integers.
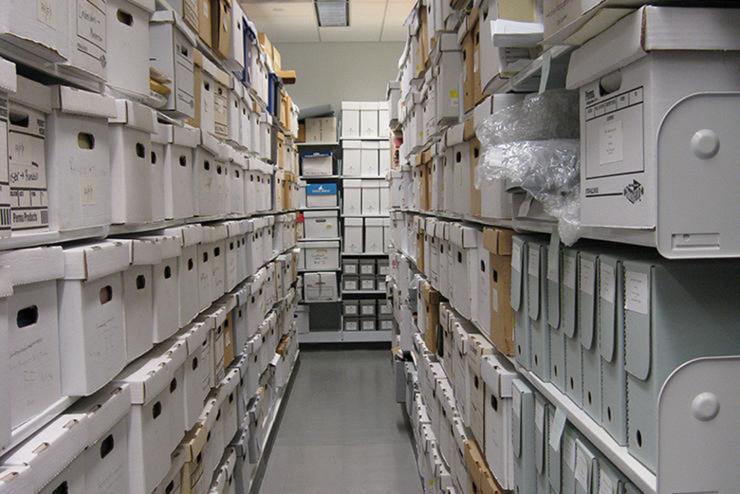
{"x": 149, "y": 376}
{"x": 227, "y": 385}
{"x": 92, "y": 261}
{"x": 651, "y": 29}
{"x": 209, "y": 413}
{"x": 147, "y": 5}
{"x": 142, "y": 252}
{"x": 134, "y": 115}
{"x": 350, "y": 144}
{"x": 352, "y": 183}
{"x": 455, "y": 135}
{"x": 8, "y": 78}
{"x": 33, "y": 265}
{"x": 516, "y": 34}
{"x": 351, "y": 105}
{"x": 79, "y": 102}
{"x": 169, "y": 245}
{"x": 162, "y": 133}
{"x": 103, "y": 410}
{"x": 353, "y": 222}
{"x": 194, "y": 335}
{"x": 370, "y": 145}
{"x": 320, "y": 189}
{"x": 463, "y": 236}
{"x": 328, "y": 244}
{"x": 210, "y": 143}
{"x": 188, "y": 234}
{"x": 185, "y": 136}
{"x": 371, "y": 184}
{"x": 497, "y": 375}
{"x": 374, "y": 222}
{"x": 171, "y": 17}
{"x": 32, "y": 94}
{"x": 51, "y": 449}
{"x": 497, "y": 241}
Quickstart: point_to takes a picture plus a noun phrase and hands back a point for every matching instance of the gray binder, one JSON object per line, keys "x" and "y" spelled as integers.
{"x": 522, "y": 407}
{"x": 537, "y": 309}
{"x": 554, "y": 311}
{"x": 573, "y": 361}
{"x": 588, "y": 293}
{"x": 519, "y": 300}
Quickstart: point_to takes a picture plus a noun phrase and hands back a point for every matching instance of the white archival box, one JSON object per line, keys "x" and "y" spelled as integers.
{"x": 320, "y": 286}
{"x": 106, "y": 419}
{"x": 127, "y": 40}
{"x": 235, "y": 113}
{"x": 138, "y": 296}
{"x": 33, "y": 331}
{"x": 77, "y": 147}
{"x": 352, "y": 201}
{"x": 374, "y": 235}
{"x": 197, "y": 383}
{"x": 369, "y": 158}
{"x": 498, "y": 374}
{"x": 321, "y": 224}
{"x": 171, "y": 53}
{"x": 44, "y": 34}
{"x": 353, "y": 235}
{"x": 236, "y": 59}
{"x": 371, "y": 197}
{"x": 368, "y": 119}
{"x": 91, "y": 326}
{"x": 150, "y": 430}
{"x": 651, "y": 137}
{"x": 319, "y": 255}
{"x": 189, "y": 236}
{"x": 179, "y": 187}
{"x": 352, "y": 158}
{"x": 6, "y": 290}
{"x": 130, "y": 134}
{"x": 205, "y": 175}
{"x": 157, "y": 177}
{"x": 351, "y": 119}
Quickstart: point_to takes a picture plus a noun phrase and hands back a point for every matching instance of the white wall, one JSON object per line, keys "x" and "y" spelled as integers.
{"x": 329, "y": 73}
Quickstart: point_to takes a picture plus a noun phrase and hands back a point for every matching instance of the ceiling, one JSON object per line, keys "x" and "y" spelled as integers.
{"x": 294, "y": 21}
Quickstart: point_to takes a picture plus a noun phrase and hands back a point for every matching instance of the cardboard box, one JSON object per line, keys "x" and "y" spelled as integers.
{"x": 368, "y": 119}
{"x": 321, "y": 224}
{"x": 431, "y": 299}
{"x": 369, "y": 159}
{"x": 350, "y": 283}
{"x": 478, "y": 347}
{"x": 205, "y": 23}
{"x": 130, "y": 132}
{"x": 351, "y": 308}
{"x": 464, "y": 264}
{"x": 157, "y": 175}
{"x": 368, "y": 282}
{"x": 319, "y": 255}
{"x": 44, "y": 34}
{"x": 179, "y": 187}
{"x": 353, "y": 243}
{"x": 370, "y": 197}
{"x": 127, "y": 40}
{"x": 171, "y": 50}
{"x": 188, "y": 10}
{"x": 86, "y": 50}
{"x": 623, "y": 187}
{"x": 468, "y": 36}
{"x": 320, "y": 286}
{"x": 576, "y": 21}
{"x": 368, "y": 324}
{"x": 352, "y": 158}
{"x": 221, "y": 109}
{"x": 457, "y": 152}
{"x": 221, "y": 24}
{"x": 26, "y": 155}
{"x": 321, "y": 130}
{"x": 351, "y": 128}
{"x": 91, "y": 334}
{"x": 32, "y": 331}
{"x": 197, "y": 375}
{"x": 374, "y": 235}
{"x": 317, "y": 164}
{"x": 209, "y": 176}
{"x": 189, "y": 237}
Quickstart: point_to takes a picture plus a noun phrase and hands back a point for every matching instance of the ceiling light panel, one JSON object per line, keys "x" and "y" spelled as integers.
{"x": 332, "y": 13}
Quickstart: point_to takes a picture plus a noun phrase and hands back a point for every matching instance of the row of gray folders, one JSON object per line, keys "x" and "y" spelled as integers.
{"x": 608, "y": 324}
{"x": 551, "y": 456}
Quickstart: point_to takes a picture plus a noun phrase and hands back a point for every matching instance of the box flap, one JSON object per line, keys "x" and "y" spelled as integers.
{"x": 142, "y": 252}
{"x": 463, "y": 236}
{"x": 134, "y": 115}
{"x": 185, "y": 136}
{"x": 455, "y": 135}
{"x": 373, "y": 222}
{"x": 103, "y": 410}
{"x": 93, "y": 261}
{"x": 194, "y": 335}
{"x": 32, "y": 94}
{"x": 172, "y": 17}
{"x": 147, "y": 378}
{"x": 497, "y": 241}
{"x": 33, "y": 265}
{"x": 188, "y": 234}
{"x": 79, "y": 102}
{"x": 8, "y": 78}
{"x": 162, "y": 133}
{"x": 169, "y": 245}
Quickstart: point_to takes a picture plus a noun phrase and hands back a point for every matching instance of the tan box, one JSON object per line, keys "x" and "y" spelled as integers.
{"x": 205, "y": 21}
{"x": 221, "y": 27}
{"x": 427, "y": 157}
{"x": 498, "y": 242}
{"x": 197, "y": 86}
{"x": 431, "y": 304}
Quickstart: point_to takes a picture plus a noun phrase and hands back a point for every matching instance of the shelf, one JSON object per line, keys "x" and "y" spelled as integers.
{"x": 328, "y": 208}
{"x": 363, "y": 177}
{"x": 336, "y": 239}
{"x": 365, "y": 254}
{"x": 376, "y": 138}
{"x": 366, "y": 336}
{"x": 319, "y": 270}
{"x": 363, "y": 292}
{"x": 320, "y": 337}
{"x": 310, "y": 302}
{"x": 319, "y": 177}
{"x": 366, "y": 215}
{"x": 308, "y": 144}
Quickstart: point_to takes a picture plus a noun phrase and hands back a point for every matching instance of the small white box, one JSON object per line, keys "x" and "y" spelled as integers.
{"x": 319, "y": 255}
{"x": 266, "y": 137}
{"x": 235, "y": 261}
{"x": 138, "y": 296}
{"x": 26, "y": 156}
{"x": 151, "y": 428}
{"x": 91, "y": 334}
{"x": 130, "y": 146}
{"x": 352, "y": 202}
{"x": 179, "y": 187}
{"x": 197, "y": 375}
{"x": 236, "y": 60}
{"x": 235, "y": 181}
{"x": 207, "y": 112}
{"x": 369, "y": 166}
{"x": 457, "y": 152}
{"x": 352, "y": 158}
{"x": 173, "y": 482}
{"x": 236, "y": 113}
{"x": 317, "y": 164}
{"x": 374, "y": 235}
{"x": 497, "y": 375}
{"x": 464, "y": 275}
{"x": 247, "y": 121}
{"x": 321, "y": 194}
{"x": 214, "y": 244}
{"x": 210, "y": 176}
{"x": 351, "y": 119}
{"x": 107, "y": 416}
{"x": 171, "y": 51}
{"x": 127, "y": 40}
{"x": 157, "y": 178}
{"x": 187, "y": 271}
{"x": 353, "y": 236}
{"x": 321, "y": 224}
{"x": 371, "y": 197}
{"x": 33, "y": 331}
{"x": 227, "y": 398}
{"x": 368, "y": 119}
{"x": 320, "y": 286}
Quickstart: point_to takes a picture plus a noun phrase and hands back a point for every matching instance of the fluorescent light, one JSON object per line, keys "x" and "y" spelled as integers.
{"x": 332, "y": 13}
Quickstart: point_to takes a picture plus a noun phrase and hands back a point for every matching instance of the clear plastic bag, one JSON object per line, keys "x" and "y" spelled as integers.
{"x": 534, "y": 145}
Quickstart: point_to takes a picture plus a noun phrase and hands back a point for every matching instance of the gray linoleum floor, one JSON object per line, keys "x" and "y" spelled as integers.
{"x": 342, "y": 431}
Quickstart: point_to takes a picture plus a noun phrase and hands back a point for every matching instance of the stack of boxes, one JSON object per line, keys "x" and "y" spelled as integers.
{"x": 135, "y": 346}
{"x": 511, "y": 332}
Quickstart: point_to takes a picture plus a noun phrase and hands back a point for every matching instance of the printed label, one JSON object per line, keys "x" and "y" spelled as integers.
{"x": 611, "y": 142}
{"x": 569, "y": 272}
{"x": 637, "y": 292}
{"x": 587, "y": 276}
{"x": 606, "y": 281}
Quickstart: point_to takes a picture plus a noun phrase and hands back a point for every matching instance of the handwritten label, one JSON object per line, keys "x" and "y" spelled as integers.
{"x": 539, "y": 415}
{"x": 533, "y": 262}
{"x": 606, "y": 281}
{"x": 569, "y": 272}
{"x": 611, "y": 143}
{"x": 637, "y": 292}
{"x": 45, "y": 12}
{"x": 606, "y": 483}
{"x": 582, "y": 467}
{"x": 587, "y": 276}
